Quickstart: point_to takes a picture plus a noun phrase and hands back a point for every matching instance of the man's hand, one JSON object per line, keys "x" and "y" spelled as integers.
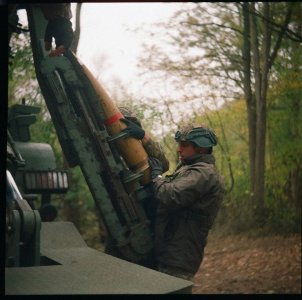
{"x": 133, "y": 129}
{"x": 60, "y": 50}
{"x": 156, "y": 167}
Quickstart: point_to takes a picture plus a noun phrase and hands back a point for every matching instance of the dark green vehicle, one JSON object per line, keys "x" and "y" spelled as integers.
{"x": 43, "y": 256}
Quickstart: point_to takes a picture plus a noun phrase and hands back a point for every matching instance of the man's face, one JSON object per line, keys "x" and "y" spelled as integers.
{"x": 186, "y": 149}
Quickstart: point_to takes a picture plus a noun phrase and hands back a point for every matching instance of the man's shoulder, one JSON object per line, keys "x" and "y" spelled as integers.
{"x": 203, "y": 168}
{"x": 202, "y": 164}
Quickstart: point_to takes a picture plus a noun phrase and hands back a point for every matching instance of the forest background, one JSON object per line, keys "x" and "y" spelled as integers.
{"x": 234, "y": 66}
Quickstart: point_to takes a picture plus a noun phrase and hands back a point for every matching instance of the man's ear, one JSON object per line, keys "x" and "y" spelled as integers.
{"x": 202, "y": 150}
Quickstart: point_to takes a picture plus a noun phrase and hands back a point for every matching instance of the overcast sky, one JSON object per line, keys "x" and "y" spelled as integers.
{"x": 104, "y": 35}
{"x": 110, "y": 50}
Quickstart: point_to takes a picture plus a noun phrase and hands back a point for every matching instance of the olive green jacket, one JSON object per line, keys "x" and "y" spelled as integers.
{"x": 188, "y": 202}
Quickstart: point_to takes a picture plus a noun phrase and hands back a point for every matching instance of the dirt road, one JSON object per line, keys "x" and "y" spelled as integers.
{"x": 242, "y": 265}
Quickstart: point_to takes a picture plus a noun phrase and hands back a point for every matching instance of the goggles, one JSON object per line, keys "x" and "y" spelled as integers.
{"x": 202, "y": 137}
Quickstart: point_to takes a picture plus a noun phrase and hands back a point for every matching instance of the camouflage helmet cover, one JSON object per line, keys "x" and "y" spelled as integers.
{"x": 200, "y": 135}
{"x": 129, "y": 114}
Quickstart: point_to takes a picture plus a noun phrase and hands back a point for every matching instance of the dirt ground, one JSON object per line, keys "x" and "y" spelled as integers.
{"x": 242, "y": 265}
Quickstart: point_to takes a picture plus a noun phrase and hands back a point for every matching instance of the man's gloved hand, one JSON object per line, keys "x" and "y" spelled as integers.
{"x": 133, "y": 129}
{"x": 156, "y": 167}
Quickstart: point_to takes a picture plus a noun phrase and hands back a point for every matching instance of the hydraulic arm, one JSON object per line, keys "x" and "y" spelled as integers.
{"x": 88, "y": 126}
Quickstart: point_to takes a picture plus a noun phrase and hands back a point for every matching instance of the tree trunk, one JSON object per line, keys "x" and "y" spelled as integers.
{"x": 260, "y": 63}
{"x": 260, "y": 66}
{"x": 296, "y": 171}
{"x": 250, "y": 99}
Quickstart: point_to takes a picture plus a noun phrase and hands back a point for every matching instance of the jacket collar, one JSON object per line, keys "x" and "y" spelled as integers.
{"x": 206, "y": 158}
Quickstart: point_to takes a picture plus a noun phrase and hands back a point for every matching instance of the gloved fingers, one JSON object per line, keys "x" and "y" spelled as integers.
{"x": 155, "y": 163}
{"x": 127, "y": 130}
{"x": 151, "y": 161}
{"x": 125, "y": 121}
{"x": 133, "y": 129}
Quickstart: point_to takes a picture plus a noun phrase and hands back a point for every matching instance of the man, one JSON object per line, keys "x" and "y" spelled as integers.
{"x": 58, "y": 27}
{"x": 188, "y": 202}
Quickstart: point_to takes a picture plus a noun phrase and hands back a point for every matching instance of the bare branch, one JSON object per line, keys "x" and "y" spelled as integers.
{"x": 283, "y": 30}
{"x": 210, "y": 24}
{"x": 281, "y": 35}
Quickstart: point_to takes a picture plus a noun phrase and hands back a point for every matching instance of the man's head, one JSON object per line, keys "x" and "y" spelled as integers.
{"x": 194, "y": 140}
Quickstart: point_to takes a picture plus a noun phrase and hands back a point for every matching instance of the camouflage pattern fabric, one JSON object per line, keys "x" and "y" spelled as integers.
{"x": 154, "y": 149}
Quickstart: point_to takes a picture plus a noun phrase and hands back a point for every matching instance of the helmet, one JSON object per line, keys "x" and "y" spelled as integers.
{"x": 129, "y": 114}
{"x": 201, "y": 136}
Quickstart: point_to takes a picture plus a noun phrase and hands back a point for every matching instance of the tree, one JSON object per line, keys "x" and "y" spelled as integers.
{"x": 260, "y": 48}
{"x": 228, "y": 49}
{"x": 284, "y": 173}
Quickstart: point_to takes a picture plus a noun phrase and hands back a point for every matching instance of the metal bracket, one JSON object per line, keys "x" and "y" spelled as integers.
{"x": 119, "y": 136}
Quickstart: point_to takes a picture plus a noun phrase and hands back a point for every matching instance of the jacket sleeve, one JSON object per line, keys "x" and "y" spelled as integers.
{"x": 154, "y": 149}
{"x": 184, "y": 190}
